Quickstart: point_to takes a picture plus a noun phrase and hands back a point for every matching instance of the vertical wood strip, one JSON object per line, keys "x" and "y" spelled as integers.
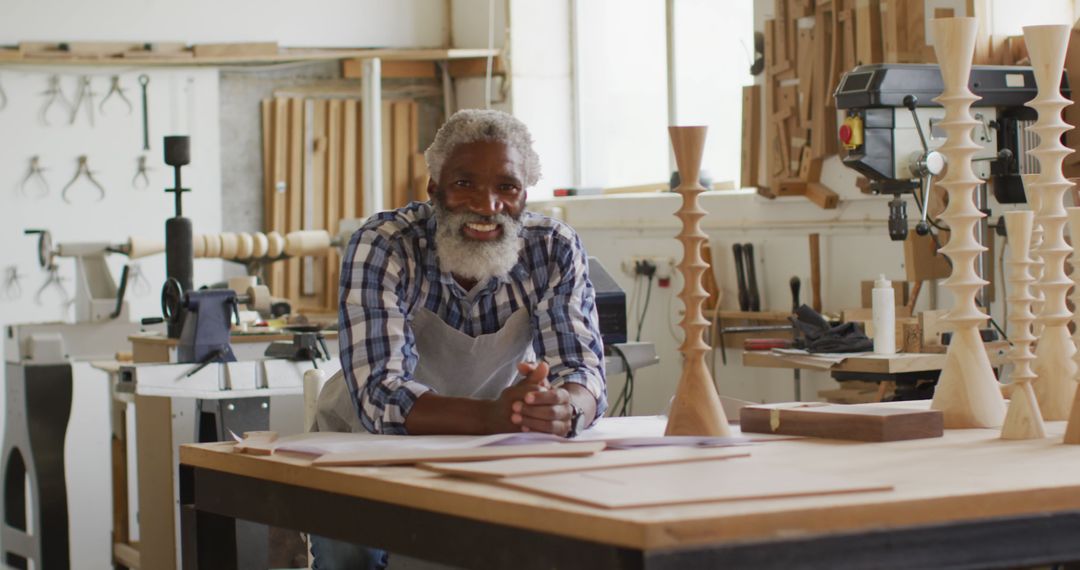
{"x": 400, "y": 153}
{"x": 333, "y": 192}
{"x": 387, "y": 154}
{"x": 315, "y": 267}
{"x": 295, "y": 189}
{"x": 280, "y": 188}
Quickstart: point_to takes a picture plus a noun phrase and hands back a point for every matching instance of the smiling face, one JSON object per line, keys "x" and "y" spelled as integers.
{"x": 479, "y": 199}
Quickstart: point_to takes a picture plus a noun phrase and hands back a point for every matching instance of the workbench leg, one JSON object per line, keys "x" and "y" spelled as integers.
{"x": 208, "y": 540}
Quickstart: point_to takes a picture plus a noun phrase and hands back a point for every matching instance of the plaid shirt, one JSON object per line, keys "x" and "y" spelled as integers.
{"x": 391, "y": 267}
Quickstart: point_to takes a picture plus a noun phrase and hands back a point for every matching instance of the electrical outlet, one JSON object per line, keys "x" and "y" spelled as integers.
{"x": 664, "y": 265}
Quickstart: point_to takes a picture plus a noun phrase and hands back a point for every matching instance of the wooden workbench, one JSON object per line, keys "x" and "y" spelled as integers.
{"x": 968, "y": 499}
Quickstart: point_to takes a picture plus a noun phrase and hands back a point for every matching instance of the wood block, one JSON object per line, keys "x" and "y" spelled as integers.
{"x": 900, "y": 287}
{"x": 912, "y": 337}
{"x": 868, "y": 31}
{"x": 810, "y": 167}
{"x": 102, "y": 49}
{"x": 890, "y": 31}
{"x": 354, "y": 69}
{"x": 822, "y": 195}
{"x": 394, "y": 456}
{"x": 915, "y": 46}
{"x": 922, "y": 262}
{"x": 241, "y": 49}
{"x": 475, "y": 67}
{"x": 932, "y": 324}
{"x": 527, "y": 466}
{"x": 751, "y": 135}
{"x": 855, "y": 422}
{"x": 709, "y": 481}
{"x": 790, "y": 187}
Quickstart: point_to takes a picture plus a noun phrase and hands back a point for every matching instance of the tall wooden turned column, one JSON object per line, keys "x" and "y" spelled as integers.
{"x": 1034, "y": 202}
{"x": 967, "y": 392}
{"x": 1023, "y": 420}
{"x": 1055, "y": 349}
{"x": 1072, "y": 429}
{"x": 696, "y": 409}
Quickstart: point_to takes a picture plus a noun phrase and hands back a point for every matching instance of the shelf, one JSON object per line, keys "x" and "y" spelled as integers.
{"x": 771, "y": 316}
{"x": 284, "y": 55}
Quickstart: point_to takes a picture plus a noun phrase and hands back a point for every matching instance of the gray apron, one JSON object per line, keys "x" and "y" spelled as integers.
{"x": 449, "y": 361}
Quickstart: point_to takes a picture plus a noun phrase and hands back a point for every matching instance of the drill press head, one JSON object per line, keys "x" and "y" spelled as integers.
{"x": 890, "y": 131}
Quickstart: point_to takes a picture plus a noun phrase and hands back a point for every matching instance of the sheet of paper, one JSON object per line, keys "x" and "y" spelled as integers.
{"x": 321, "y": 443}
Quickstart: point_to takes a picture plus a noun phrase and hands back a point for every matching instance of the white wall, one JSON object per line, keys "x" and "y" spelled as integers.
{"x": 182, "y": 101}
{"x": 321, "y": 23}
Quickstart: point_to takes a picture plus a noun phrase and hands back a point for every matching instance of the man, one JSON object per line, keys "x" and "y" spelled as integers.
{"x": 467, "y": 314}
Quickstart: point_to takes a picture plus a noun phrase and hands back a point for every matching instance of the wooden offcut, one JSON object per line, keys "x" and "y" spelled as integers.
{"x": 394, "y": 456}
{"x": 832, "y": 421}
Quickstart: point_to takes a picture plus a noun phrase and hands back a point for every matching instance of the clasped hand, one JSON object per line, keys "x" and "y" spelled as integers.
{"x": 532, "y": 404}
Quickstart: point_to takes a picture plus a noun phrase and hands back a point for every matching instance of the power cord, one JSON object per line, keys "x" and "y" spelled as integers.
{"x": 648, "y": 269}
{"x": 624, "y": 403}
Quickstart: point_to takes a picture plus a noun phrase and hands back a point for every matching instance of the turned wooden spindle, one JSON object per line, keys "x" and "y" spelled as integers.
{"x": 1072, "y": 429}
{"x": 967, "y": 392}
{"x": 1023, "y": 419}
{"x": 696, "y": 408}
{"x": 1034, "y": 202}
{"x": 1054, "y": 351}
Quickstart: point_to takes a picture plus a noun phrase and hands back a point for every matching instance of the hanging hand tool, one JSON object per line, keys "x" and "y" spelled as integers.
{"x": 139, "y": 284}
{"x": 740, "y": 273}
{"x": 55, "y": 281}
{"x": 751, "y": 278}
{"x": 815, "y": 270}
{"x": 144, "y": 82}
{"x": 119, "y": 92}
{"x": 83, "y": 170}
{"x": 3, "y": 98}
{"x": 52, "y": 94}
{"x": 795, "y": 284}
{"x": 47, "y": 260}
{"x": 12, "y": 283}
{"x": 85, "y": 94}
{"x": 141, "y": 181}
{"x": 35, "y": 175}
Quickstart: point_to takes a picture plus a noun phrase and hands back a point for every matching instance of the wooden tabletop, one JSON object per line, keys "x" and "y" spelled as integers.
{"x": 967, "y": 475}
{"x": 869, "y": 364}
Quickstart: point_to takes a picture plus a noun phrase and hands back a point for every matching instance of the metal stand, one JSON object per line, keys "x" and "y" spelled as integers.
{"x": 38, "y": 407}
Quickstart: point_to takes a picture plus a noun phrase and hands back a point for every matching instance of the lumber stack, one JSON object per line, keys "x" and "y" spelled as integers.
{"x": 312, "y": 179}
{"x": 809, "y": 44}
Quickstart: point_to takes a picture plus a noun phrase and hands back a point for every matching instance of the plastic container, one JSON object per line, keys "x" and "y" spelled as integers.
{"x": 884, "y": 317}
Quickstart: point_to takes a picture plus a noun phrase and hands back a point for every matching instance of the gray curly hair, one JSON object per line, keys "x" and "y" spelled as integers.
{"x": 473, "y": 125}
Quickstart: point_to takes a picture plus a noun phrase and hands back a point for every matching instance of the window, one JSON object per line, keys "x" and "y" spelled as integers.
{"x": 621, "y": 75}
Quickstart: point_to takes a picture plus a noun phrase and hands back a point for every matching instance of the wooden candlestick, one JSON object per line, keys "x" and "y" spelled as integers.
{"x": 1023, "y": 420}
{"x": 967, "y": 392}
{"x": 1072, "y": 429}
{"x": 1054, "y": 352}
{"x": 696, "y": 408}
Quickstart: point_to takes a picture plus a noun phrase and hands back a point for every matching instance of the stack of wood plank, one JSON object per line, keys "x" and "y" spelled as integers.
{"x": 312, "y": 173}
{"x": 809, "y": 44}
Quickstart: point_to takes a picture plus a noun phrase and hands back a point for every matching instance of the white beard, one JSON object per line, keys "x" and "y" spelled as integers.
{"x": 471, "y": 259}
